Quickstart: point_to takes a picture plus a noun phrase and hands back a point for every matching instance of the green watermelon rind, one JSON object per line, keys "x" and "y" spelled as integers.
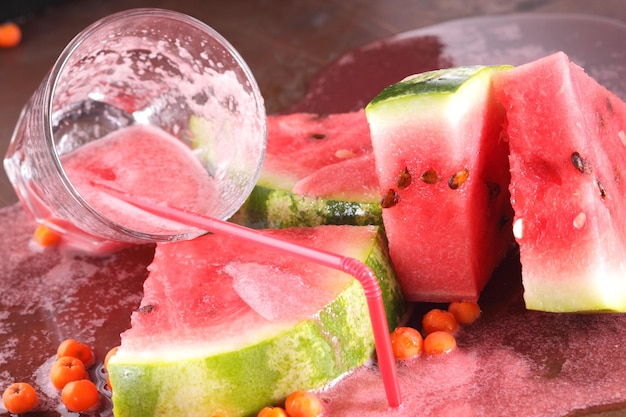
{"x": 438, "y": 82}
{"x": 316, "y": 352}
{"x": 273, "y": 208}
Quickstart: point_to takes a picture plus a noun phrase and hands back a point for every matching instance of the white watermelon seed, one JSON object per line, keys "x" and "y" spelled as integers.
{"x": 517, "y": 229}
{"x": 344, "y": 154}
{"x": 579, "y": 220}
{"x": 622, "y": 137}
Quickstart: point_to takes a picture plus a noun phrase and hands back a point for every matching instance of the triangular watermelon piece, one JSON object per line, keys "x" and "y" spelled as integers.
{"x": 318, "y": 169}
{"x": 567, "y": 138}
{"x": 227, "y": 327}
{"x": 443, "y": 170}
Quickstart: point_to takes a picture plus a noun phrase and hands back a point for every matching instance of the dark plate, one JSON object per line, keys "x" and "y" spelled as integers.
{"x": 595, "y": 43}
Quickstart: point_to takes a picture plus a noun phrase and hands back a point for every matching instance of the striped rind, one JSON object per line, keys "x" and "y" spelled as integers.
{"x": 308, "y": 356}
{"x": 268, "y": 207}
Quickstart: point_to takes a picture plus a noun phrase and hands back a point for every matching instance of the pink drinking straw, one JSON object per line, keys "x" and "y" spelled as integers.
{"x": 352, "y": 266}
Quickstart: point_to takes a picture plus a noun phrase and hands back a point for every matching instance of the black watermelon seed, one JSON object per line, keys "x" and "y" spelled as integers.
{"x": 390, "y": 199}
{"x": 580, "y": 163}
{"x": 494, "y": 189}
{"x": 404, "y": 179}
{"x": 458, "y": 179}
{"x": 319, "y": 116}
{"x": 504, "y": 220}
{"x": 609, "y": 105}
{"x": 602, "y": 189}
{"x": 317, "y": 136}
{"x": 429, "y": 177}
{"x": 147, "y": 309}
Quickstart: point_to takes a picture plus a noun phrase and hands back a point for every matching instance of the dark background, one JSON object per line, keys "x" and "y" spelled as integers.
{"x": 285, "y": 42}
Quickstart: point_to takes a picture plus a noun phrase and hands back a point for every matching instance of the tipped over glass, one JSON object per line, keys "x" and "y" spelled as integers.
{"x": 139, "y": 69}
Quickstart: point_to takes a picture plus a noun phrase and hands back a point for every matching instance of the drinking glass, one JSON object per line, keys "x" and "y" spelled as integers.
{"x": 138, "y": 67}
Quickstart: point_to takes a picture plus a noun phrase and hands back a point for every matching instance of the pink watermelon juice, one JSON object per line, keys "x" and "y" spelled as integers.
{"x": 146, "y": 162}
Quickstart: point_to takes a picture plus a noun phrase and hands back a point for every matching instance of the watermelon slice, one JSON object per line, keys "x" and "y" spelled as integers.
{"x": 228, "y": 327}
{"x": 318, "y": 169}
{"x": 568, "y": 172}
{"x": 443, "y": 170}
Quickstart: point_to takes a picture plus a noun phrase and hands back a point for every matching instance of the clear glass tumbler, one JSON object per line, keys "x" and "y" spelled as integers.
{"x": 138, "y": 67}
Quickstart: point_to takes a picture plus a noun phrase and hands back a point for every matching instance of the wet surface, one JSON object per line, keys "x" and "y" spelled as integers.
{"x": 512, "y": 362}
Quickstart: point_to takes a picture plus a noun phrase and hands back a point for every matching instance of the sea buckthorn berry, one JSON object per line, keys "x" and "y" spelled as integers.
{"x": 406, "y": 343}
{"x": 10, "y": 35}
{"x": 71, "y": 347}
{"x": 272, "y": 412}
{"x": 437, "y": 319}
{"x": 303, "y": 404}
{"x": 46, "y": 237}
{"x": 464, "y": 312}
{"x": 79, "y": 396}
{"x": 66, "y": 369}
{"x": 439, "y": 342}
{"x": 19, "y": 397}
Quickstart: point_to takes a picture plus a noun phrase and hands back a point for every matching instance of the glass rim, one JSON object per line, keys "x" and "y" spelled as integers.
{"x": 61, "y": 63}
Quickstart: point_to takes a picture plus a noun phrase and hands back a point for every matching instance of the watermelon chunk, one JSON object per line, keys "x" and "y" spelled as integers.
{"x": 443, "y": 170}
{"x": 318, "y": 169}
{"x": 228, "y": 327}
{"x": 568, "y": 185}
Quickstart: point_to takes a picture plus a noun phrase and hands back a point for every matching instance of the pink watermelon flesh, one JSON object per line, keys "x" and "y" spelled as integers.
{"x": 444, "y": 242}
{"x": 234, "y": 290}
{"x": 354, "y": 179}
{"x": 168, "y": 172}
{"x": 568, "y": 185}
{"x": 300, "y": 144}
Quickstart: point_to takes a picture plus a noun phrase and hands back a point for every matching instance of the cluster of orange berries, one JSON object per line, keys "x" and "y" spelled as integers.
{"x": 439, "y": 326}
{"x": 297, "y": 404}
{"x": 68, "y": 374}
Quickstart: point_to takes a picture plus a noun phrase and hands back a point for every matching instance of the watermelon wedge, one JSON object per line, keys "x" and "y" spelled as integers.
{"x": 444, "y": 175}
{"x": 318, "y": 169}
{"x": 568, "y": 185}
{"x": 228, "y": 327}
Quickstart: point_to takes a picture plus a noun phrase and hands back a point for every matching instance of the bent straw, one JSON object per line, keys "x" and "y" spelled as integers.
{"x": 352, "y": 266}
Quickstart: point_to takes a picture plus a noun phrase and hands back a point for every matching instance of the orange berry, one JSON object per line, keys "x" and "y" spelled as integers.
{"x": 303, "y": 404}
{"x": 71, "y": 347}
{"x": 406, "y": 343}
{"x": 19, "y": 397}
{"x": 272, "y": 412}
{"x": 10, "y": 35}
{"x": 439, "y": 342}
{"x": 67, "y": 369}
{"x": 46, "y": 237}
{"x": 109, "y": 355}
{"x": 437, "y": 319}
{"x": 464, "y": 312}
{"x": 79, "y": 396}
